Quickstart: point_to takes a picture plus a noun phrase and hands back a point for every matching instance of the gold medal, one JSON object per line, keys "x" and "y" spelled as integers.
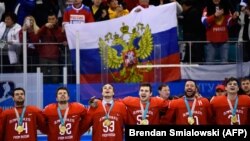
{"x": 234, "y": 119}
{"x": 191, "y": 120}
{"x": 62, "y": 129}
{"x": 19, "y": 129}
{"x": 107, "y": 122}
{"x": 144, "y": 122}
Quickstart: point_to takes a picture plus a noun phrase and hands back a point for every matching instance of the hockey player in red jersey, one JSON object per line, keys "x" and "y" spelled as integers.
{"x": 189, "y": 109}
{"x": 232, "y": 108}
{"x": 107, "y": 117}
{"x": 145, "y": 109}
{"x": 21, "y": 122}
{"x": 63, "y": 118}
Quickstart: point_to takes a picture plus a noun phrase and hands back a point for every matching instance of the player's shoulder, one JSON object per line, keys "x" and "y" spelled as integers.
{"x": 49, "y": 107}
{"x": 130, "y": 100}
{"x": 244, "y": 99}
{"x": 33, "y": 108}
{"x": 218, "y": 100}
{"x": 77, "y": 105}
{"x": 176, "y": 102}
{"x": 118, "y": 102}
{"x": 7, "y": 111}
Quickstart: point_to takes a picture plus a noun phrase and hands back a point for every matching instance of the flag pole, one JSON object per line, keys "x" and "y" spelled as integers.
{"x": 77, "y": 67}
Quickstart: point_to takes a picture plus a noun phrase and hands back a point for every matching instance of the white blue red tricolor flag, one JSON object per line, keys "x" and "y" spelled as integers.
{"x": 120, "y": 45}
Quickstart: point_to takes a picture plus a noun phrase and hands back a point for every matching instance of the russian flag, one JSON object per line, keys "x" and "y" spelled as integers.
{"x": 113, "y": 49}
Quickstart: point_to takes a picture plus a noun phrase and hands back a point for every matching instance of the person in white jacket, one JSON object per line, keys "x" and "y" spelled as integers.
{"x": 9, "y": 37}
{"x": 244, "y": 33}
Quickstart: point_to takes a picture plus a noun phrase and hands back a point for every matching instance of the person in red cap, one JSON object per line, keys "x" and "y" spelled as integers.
{"x": 220, "y": 90}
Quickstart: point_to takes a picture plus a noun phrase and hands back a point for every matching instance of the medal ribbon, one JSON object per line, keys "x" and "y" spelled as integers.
{"x": 144, "y": 111}
{"x": 20, "y": 119}
{"x": 233, "y": 109}
{"x": 190, "y": 111}
{"x": 107, "y": 113}
{"x": 62, "y": 120}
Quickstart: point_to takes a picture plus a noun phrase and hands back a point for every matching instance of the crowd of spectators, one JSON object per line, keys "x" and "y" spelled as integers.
{"x": 212, "y": 21}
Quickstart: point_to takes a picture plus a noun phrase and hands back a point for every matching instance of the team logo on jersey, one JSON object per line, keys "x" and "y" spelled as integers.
{"x": 6, "y": 88}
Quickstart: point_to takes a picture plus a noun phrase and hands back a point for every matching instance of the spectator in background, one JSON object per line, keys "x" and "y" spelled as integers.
{"x": 160, "y": 2}
{"x": 46, "y": 6}
{"x": 32, "y": 29}
{"x": 245, "y": 85}
{"x": 193, "y": 30}
{"x": 24, "y": 8}
{"x": 9, "y": 35}
{"x": 217, "y": 19}
{"x": 141, "y": 5}
{"x": 99, "y": 11}
{"x": 130, "y": 4}
{"x": 115, "y": 10}
{"x": 49, "y": 54}
{"x": 9, "y": 6}
{"x": 220, "y": 90}
{"x": 244, "y": 33}
{"x": 232, "y": 108}
{"x": 22, "y": 121}
{"x": 77, "y": 13}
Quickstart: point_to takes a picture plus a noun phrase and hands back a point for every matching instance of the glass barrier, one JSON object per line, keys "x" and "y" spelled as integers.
{"x": 194, "y": 56}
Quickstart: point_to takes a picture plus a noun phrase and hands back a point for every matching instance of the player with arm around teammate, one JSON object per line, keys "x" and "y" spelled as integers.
{"x": 145, "y": 109}
{"x": 189, "y": 109}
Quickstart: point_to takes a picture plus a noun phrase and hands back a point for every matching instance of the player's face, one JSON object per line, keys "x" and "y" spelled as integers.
{"x": 108, "y": 91}
{"x": 19, "y": 97}
{"x": 190, "y": 89}
{"x": 144, "y": 93}
{"x": 62, "y": 96}
{"x": 164, "y": 92}
{"x": 245, "y": 86}
{"x": 232, "y": 87}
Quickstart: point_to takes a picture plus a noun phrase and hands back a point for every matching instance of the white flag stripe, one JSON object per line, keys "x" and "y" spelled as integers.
{"x": 91, "y": 32}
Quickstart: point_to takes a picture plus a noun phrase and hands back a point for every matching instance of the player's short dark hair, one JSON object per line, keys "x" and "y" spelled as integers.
{"x": 62, "y": 88}
{"x": 161, "y": 86}
{"x": 16, "y": 89}
{"x": 231, "y": 79}
{"x": 146, "y": 85}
